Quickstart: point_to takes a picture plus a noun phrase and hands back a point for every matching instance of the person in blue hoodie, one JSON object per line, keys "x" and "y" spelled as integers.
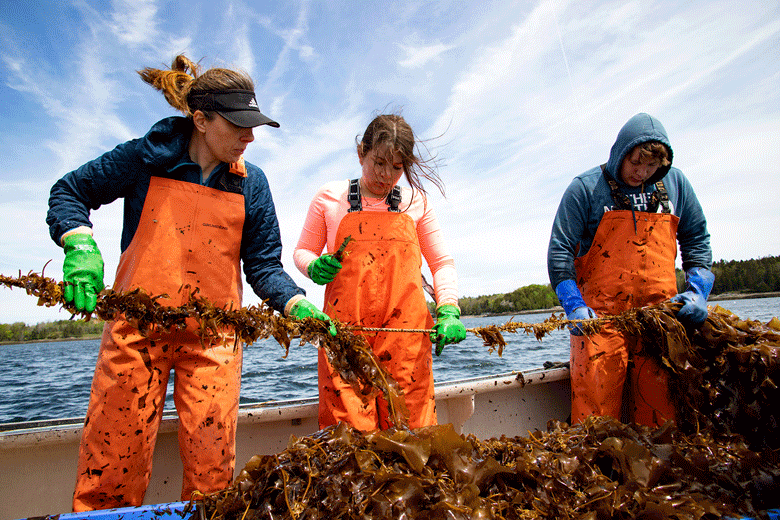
{"x": 194, "y": 211}
{"x": 612, "y": 248}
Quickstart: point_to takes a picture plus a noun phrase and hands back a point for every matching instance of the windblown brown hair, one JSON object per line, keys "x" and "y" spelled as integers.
{"x": 654, "y": 150}
{"x": 185, "y": 76}
{"x": 393, "y": 130}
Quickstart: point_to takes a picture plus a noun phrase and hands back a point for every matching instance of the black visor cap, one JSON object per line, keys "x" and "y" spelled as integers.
{"x": 237, "y": 106}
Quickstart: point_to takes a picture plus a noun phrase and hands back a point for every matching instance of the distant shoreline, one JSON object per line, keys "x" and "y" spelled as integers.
{"x": 716, "y": 298}
{"x": 742, "y": 296}
{"x": 54, "y": 340}
{"x": 515, "y": 313}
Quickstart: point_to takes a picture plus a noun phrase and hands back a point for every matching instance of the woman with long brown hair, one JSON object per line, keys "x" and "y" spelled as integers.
{"x": 378, "y": 284}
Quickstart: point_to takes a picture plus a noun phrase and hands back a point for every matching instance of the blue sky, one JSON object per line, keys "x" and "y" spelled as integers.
{"x": 516, "y": 98}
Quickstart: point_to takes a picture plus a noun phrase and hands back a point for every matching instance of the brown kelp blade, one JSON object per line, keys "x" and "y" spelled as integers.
{"x": 340, "y": 252}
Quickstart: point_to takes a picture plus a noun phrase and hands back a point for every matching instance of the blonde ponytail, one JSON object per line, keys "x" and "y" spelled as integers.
{"x": 184, "y": 77}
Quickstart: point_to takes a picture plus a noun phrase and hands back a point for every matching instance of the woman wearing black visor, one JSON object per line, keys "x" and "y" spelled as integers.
{"x": 194, "y": 211}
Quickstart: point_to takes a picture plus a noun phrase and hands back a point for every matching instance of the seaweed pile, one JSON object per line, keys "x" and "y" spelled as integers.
{"x": 724, "y": 376}
{"x": 722, "y": 458}
{"x": 598, "y": 469}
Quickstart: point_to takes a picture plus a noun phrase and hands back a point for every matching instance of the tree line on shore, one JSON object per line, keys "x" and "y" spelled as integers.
{"x": 733, "y": 276}
{"x": 51, "y": 330}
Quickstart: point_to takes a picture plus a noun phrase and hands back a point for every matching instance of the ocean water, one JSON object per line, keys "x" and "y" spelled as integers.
{"x": 42, "y": 381}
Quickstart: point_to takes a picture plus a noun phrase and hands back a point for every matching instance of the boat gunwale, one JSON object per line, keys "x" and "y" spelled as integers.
{"x": 38, "y": 433}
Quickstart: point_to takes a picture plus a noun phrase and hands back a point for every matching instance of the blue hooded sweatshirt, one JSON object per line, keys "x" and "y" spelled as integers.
{"x": 589, "y": 196}
{"x": 125, "y": 172}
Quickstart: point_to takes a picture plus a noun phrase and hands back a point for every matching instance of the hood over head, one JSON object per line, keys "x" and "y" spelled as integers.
{"x": 639, "y": 129}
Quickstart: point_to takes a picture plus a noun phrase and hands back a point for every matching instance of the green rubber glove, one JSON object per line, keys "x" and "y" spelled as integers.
{"x": 324, "y": 269}
{"x": 448, "y": 328}
{"x": 305, "y": 309}
{"x": 82, "y": 271}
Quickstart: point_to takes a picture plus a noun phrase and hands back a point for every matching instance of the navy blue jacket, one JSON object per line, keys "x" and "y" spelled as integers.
{"x": 588, "y": 197}
{"x": 125, "y": 172}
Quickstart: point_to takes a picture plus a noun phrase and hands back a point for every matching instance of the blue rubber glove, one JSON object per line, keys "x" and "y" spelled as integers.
{"x": 324, "y": 269}
{"x": 573, "y": 305}
{"x": 698, "y": 281}
{"x": 82, "y": 271}
{"x": 448, "y": 328}
{"x": 303, "y": 308}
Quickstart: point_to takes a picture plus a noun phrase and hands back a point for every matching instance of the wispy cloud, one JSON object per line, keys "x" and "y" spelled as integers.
{"x": 418, "y": 57}
{"x": 294, "y": 44}
{"x": 134, "y": 22}
{"x": 522, "y": 98}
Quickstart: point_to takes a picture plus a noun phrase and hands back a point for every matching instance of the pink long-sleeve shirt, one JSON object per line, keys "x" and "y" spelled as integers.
{"x": 329, "y": 206}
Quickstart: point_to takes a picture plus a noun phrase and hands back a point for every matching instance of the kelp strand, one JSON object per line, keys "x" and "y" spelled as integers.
{"x": 348, "y": 353}
{"x": 250, "y": 323}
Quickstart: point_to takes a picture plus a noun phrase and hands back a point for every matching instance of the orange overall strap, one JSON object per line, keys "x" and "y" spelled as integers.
{"x": 630, "y": 264}
{"x": 380, "y": 285}
{"x": 188, "y": 235}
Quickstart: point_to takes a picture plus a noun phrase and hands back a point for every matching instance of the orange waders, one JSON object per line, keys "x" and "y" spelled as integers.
{"x": 624, "y": 268}
{"x": 380, "y": 285}
{"x": 189, "y": 237}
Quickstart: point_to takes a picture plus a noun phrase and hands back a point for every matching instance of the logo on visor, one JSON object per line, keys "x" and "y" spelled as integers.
{"x": 253, "y": 103}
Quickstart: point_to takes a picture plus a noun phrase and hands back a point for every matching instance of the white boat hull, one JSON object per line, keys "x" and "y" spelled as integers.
{"x": 38, "y": 464}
